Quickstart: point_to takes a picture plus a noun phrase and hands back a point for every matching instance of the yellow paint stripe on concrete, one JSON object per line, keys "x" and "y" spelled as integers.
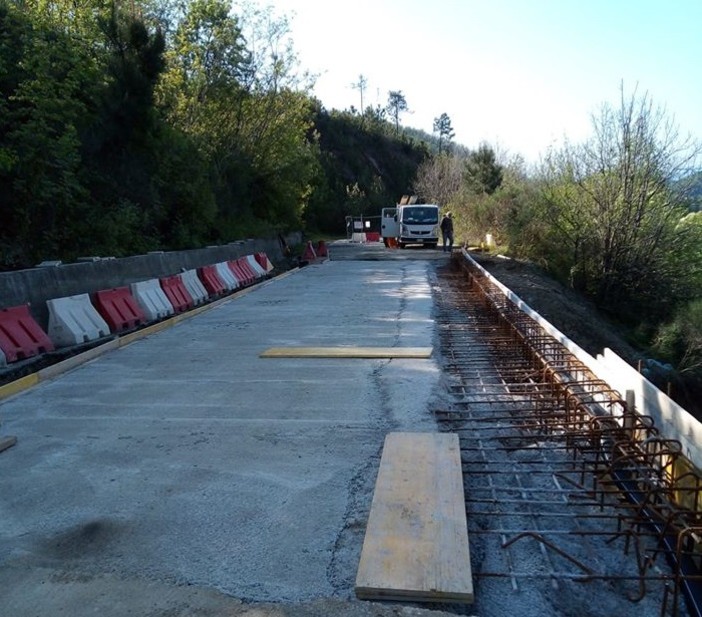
{"x": 19, "y": 385}
{"x": 347, "y": 352}
{"x": 70, "y": 363}
{"x": 55, "y": 370}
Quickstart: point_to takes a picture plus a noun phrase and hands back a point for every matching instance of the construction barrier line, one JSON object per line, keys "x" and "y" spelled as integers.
{"x": 20, "y": 335}
{"x": 152, "y": 299}
{"x": 119, "y": 309}
{"x": 73, "y": 320}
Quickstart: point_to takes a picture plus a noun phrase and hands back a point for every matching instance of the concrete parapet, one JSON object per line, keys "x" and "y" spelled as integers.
{"x": 73, "y": 320}
{"x": 35, "y": 286}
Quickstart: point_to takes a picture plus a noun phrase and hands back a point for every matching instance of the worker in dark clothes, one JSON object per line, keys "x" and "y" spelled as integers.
{"x": 447, "y": 231}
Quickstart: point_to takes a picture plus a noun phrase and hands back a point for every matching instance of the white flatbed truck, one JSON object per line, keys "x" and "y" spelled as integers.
{"x": 410, "y": 224}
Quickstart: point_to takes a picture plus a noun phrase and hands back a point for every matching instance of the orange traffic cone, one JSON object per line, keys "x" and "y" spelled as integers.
{"x": 322, "y": 249}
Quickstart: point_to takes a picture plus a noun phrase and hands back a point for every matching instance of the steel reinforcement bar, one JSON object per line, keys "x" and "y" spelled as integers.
{"x": 547, "y": 442}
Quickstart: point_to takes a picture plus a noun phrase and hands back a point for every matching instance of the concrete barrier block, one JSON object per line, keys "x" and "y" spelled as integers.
{"x": 194, "y": 286}
{"x": 152, "y": 299}
{"x": 74, "y": 320}
{"x": 226, "y": 275}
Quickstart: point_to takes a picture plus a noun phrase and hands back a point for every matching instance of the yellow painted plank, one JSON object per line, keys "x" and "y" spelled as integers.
{"x": 416, "y": 543}
{"x": 347, "y": 352}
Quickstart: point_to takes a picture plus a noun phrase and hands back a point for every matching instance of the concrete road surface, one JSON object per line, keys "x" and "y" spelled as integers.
{"x": 185, "y": 475}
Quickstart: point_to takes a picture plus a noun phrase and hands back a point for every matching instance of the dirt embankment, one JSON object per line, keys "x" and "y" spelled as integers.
{"x": 567, "y": 310}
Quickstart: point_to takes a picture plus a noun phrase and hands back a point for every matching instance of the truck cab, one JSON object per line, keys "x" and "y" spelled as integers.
{"x": 418, "y": 224}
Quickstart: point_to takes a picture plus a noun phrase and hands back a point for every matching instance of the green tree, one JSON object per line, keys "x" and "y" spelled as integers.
{"x": 46, "y": 82}
{"x": 397, "y": 104}
{"x": 613, "y": 206}
{"x": 442, "y": 126}
{"x": 482, "y": 172}
{"x": 234, "y": 87}
{"x": 206, "y": 63}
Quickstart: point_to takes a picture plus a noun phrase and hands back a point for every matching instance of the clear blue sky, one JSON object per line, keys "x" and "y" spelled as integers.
{"x": 520, "y": 74}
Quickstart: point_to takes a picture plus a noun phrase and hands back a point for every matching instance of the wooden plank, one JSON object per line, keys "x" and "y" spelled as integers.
{"x": 416, "y": 543}
{"x": 347, "y": 352}
{"x": 7, "y": 442}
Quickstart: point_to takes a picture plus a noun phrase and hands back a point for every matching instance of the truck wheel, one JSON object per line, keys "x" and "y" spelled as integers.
{"x": 431, "y": 246}
{"x": 401, "y": 245}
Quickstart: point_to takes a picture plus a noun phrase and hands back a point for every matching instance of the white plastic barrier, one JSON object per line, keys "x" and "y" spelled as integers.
{"x": 227, "y": 276}
{"x": 152, "y": 299}
{"x": 255, "y": 266}
{"x": 74, "y": 320}
{"x": 194, "y": 286}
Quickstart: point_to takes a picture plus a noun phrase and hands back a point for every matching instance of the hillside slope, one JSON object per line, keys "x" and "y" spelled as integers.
{"x": 567, "y": 310}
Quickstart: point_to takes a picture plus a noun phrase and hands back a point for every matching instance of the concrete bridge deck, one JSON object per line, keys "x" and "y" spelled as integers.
{"x": 184, "y": 473}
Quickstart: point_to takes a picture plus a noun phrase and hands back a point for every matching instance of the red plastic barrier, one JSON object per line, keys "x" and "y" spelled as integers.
{"x": 262, "y": 258}
{"x": 176, "y": 292}
{"x": 238, "y": 274}
{"x": 211, "y": 281}
{"x": 247, "y": 269}
{"x": 20, "y": 336}
{"x": 372, "y": 236}
{"x": 309, "y": 254}
{"x": 119, "y": 309}
{"x": 322, "y": 249}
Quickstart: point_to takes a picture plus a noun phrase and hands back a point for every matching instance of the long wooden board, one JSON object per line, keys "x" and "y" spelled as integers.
{"x": 347, "y": 352}
{"x": 416, "y": 544}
